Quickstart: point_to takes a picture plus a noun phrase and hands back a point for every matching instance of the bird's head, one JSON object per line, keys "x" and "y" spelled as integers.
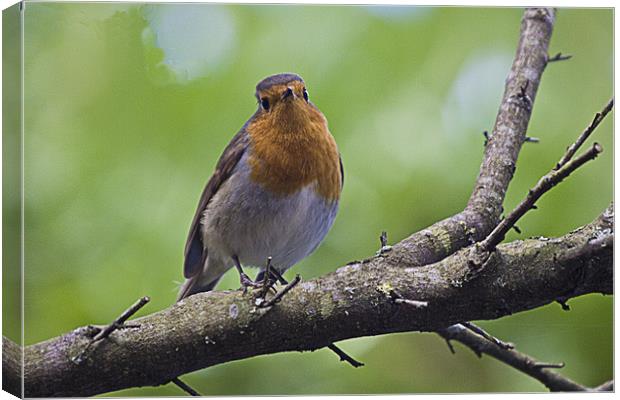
{"x": 283, "y": 99}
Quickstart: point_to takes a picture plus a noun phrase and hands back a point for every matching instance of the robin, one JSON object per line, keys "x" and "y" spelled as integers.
{"x": 274, "y": 193}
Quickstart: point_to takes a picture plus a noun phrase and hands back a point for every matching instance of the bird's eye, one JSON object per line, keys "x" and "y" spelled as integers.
{"x": 305, "y": 94}
{"x": 264, "y": 102}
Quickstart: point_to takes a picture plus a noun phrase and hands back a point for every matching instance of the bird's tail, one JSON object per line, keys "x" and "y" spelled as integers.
{"x": 193, "y": 285}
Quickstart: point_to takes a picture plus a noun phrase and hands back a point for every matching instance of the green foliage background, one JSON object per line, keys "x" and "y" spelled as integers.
{"x": 121, "y": 137}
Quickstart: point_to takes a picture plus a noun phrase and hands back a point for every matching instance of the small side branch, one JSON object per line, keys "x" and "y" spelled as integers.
{"x": 399, "y": 299}
{"x": 413, "y": 303}
{"x": 572, "y": 149}
{"x": 522, "y": 362}
{"x": 543, "y": 186}
{"x": 344, "y": 356}
{"x": 118, "y": 323}
{"x": 261, "y": 302}
{"x": 185, "y": 387}
{"x": 385, "y": 247}
{"x": 476, "y": 329}
{"x": 278, "y": 296}
{"x": 563, "y": 169}
{"x": 559, "y": 57}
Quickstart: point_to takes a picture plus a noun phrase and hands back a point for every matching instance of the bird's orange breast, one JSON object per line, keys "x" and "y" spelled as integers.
{"x": 292, "y": 148}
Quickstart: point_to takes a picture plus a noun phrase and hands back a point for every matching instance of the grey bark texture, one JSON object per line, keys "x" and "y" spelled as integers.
{"x": 11, "y": 367}
{"x": 356, "y": 300}
{"x": 364, "y": 298}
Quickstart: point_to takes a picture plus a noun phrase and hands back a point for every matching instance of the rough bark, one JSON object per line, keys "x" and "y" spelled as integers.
{"x": 11, "y": 367}
{"x": 356, "y": 300}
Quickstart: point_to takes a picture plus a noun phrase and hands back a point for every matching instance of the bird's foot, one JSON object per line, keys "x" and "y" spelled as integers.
{"x": 246, "y": 282}
{"x": 267, "y": 279}
{"x": 263, "y": 303}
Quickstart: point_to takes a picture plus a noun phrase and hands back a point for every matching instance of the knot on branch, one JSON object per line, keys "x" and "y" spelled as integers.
{"x": 521, "y": 98}
{"x": 477, "y": 260}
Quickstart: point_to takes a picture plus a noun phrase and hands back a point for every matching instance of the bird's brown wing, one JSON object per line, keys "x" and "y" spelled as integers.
{"x": 195, "y": 252}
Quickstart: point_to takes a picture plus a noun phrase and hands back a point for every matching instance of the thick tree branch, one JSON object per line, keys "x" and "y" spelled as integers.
{"x": 357, "y": 300}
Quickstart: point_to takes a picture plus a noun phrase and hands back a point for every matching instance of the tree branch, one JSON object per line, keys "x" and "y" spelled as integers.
{"x": 522, "y": 362}
{"x": 545, "y": 184}
{"x": 572, "y": 149}
{"x": 354, "y": 301}
{"x": 485, "y": 205}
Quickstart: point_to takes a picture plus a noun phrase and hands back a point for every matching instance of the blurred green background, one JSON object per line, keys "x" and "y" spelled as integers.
{"x": 129, "y": 106}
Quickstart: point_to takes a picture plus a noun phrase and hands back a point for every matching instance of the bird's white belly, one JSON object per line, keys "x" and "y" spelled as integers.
{"x": 244, "y": 220}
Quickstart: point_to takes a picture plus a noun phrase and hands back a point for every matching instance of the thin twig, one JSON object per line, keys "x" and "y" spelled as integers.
{"x": 564, "y": 168}
{"x": 559, "y": 57}
{"x": 267, "y": 281}
{"x": 562, "y": 302}
{"x": 478, "y": 330}
{"x": 118, "y": 323}
{"x": 185, "y": 387}
{"x": 544, "y": 185}
{"x": 522, "y": 362}
{"x": 399, "y": 299}
{"x": 385, "y": 248}
{"x": 279, "y": 276}
{"x": 281, "y": 293}
{"x": 450, "y": 347}
{"x": 344, "y": 356}
{"x": 414, "y": 303}
{"x": 572, "y": 149}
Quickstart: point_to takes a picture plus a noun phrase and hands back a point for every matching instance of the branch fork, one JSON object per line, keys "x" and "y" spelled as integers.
{"x": 118, "y": 323}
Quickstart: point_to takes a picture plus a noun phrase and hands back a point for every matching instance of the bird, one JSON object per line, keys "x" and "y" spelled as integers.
{"x": 274, "y": 194}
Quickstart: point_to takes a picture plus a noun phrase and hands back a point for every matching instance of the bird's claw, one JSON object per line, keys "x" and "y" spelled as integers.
{"x": 246, "y": 282}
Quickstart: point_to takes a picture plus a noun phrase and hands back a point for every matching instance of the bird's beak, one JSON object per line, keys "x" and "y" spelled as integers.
{"x": 288, "y": 93}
